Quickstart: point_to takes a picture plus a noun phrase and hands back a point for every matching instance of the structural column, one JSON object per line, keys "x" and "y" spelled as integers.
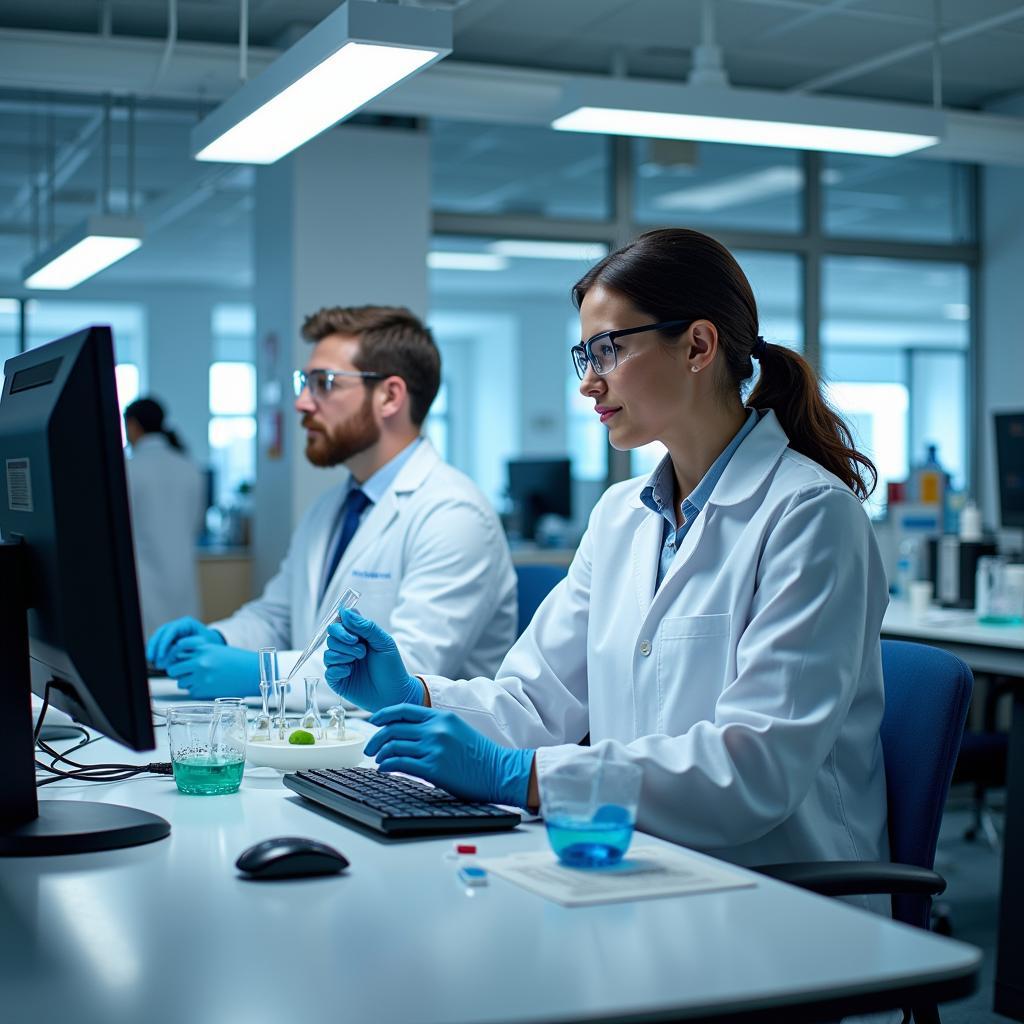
{"x": 345, "y": 220}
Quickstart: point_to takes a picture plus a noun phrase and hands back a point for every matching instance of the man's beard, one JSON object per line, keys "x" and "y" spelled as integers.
{"x": 349, "y": 438}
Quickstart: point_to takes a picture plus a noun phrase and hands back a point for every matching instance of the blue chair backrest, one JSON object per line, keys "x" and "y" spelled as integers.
{"x": 927, "y": 692}
{"x": 535, "y": 583}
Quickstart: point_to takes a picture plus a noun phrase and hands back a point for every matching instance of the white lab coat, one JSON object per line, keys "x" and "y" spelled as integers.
{"x": 430, "y": 561}
{"x": 748, "y": 686}
{"x": 165, "y": 492}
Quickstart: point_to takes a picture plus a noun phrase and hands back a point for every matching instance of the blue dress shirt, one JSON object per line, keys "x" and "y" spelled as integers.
{"x": 657, "y": 495}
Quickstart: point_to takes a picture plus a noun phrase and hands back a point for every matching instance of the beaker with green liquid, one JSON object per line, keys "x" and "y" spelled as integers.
{"x": 207, "y": 743}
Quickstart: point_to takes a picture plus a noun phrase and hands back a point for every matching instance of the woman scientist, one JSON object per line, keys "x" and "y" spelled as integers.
{"x": 719, "y": 624}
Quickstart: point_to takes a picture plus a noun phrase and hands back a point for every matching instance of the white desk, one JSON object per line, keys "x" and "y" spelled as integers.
{"x": 169, "y": 934}
{"x": 998, "y": 650}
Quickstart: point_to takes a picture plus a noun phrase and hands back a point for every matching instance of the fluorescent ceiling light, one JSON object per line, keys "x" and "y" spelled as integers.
{"x": 531, "y": 249}
{"x": 355, "y": 54}
{"x": 93, "y": 246}
{"x": 742, "y": 188}
{"x": 466, "y": 261}
{"x": 750, "y": 117}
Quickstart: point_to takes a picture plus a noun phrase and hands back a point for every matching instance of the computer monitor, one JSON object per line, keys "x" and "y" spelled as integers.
{"x": 69, "y": 604}
{"x": 1010, "y": 468}
{"x": 539, "y": 487}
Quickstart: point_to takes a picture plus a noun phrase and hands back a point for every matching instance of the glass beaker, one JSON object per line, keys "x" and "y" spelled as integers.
{"x": 207, "y": 743}
{"x": 999, "y": 592}
{"x": 589, "y": 808}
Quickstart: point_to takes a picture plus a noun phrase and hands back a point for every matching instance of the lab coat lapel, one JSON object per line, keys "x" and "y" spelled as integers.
{"x": 382, "y": 514}
{"x": 646, "y": 551}
{"x": 749, "y": 467}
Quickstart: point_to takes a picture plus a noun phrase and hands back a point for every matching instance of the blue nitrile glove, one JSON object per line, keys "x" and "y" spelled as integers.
{"x": 443, "y": 749}
{"x": 214, "y": 670}
{"x": 362, "y": 664}
{"x": 166, "y": 636}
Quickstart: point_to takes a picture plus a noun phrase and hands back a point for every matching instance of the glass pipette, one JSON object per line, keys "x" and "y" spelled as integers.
{"x": 348, "y": 600}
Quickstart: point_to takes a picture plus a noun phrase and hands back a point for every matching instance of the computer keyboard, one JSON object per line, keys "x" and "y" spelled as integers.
{"x": 396, "y": 805}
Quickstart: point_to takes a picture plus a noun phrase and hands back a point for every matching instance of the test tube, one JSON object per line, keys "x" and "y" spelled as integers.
{"x": 268, "y": 665}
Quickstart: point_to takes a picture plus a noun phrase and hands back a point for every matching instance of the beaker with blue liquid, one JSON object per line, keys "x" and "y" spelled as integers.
{"x": 589, "y": 808}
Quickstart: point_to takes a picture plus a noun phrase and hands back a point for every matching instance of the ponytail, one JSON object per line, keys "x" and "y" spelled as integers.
{"x": 149, "y": 414}
{"x": 680, "y": 274}
{"x": 173, "y": 440}
{"x": 789, "y": 387}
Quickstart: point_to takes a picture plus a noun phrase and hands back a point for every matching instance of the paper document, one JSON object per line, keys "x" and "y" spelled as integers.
{"x": 646, "y": 873}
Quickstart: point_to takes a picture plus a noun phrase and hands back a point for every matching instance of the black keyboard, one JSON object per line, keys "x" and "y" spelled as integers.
{"x": 396, "y": 805}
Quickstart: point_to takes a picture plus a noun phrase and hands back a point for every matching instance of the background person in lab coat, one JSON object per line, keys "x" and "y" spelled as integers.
{"x": 165, "y": 492}
{"x": 413, "y": 535}
{"x": 719, "y": 625}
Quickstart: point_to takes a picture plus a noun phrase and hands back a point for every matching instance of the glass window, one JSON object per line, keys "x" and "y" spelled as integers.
{"x": 128, "y": 386}
{"x": 49, "y": 319}
{"x": 895, "y": 336}
{"x": 503, "y": 318}
{"x": 437, "y": 426}
{"x": 10, "y": 313}
{"x": 776, "y": 278}
{"x": 708, "y": 185}
{"x": 913, "y": 200}
{"x": 490, "y": 169}
{"x": 232, "y": 427}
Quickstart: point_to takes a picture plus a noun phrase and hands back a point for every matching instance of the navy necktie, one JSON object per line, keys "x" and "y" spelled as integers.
{"x": 351, "y": 510}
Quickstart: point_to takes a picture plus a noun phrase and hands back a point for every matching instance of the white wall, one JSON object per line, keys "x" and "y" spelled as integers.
{"x": 1002, "y": 306}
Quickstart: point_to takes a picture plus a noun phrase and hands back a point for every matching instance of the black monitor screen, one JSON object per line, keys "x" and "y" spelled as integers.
{"x": 539, "y": 487}
{"x": 62, "y": 493}
{"x": 1010, "y": 468}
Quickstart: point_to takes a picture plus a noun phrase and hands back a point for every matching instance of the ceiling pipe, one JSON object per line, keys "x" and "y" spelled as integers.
{"x": 172, "y": 39}
{"x": 953, "y": 35}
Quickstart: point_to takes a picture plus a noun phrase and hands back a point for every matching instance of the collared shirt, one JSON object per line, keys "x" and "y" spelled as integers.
{"x": 658, "y": 491}
{"x": 374, "y": 487}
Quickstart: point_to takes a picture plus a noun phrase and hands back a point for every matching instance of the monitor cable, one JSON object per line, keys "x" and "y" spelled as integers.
{"x": 85, "y": 772}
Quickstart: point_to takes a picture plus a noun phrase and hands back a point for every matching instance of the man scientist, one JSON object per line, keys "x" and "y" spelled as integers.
{"x": 414, "y": 536}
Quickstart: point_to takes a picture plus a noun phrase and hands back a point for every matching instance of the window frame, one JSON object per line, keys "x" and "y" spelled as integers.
{"x": 810, "y": 243}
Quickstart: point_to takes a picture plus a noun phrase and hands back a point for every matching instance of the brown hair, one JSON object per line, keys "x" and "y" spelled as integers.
{"x": 392, "y": 342}
{"x": 680, "y": 274}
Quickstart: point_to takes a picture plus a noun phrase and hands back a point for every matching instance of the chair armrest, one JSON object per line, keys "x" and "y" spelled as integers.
{"x": 857, "y": 878}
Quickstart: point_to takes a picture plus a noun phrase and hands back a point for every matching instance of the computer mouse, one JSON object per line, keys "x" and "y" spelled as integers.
{"x": 290, "y": 857}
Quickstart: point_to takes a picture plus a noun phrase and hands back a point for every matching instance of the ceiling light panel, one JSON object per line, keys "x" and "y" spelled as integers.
{"x": 354, "y": 55}
{"x": 750, "y": 117}
{"x": 93, "y": 246}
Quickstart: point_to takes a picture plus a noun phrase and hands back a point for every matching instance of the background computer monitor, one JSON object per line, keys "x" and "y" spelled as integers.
{"x": 69, "y": 610}
{"x": 539, "y": 487}
{"x": 1010, "y": 468}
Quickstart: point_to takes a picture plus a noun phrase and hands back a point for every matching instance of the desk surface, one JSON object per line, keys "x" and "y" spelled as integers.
{"x": 170, "y": 933}
{"x": 954, "y": 626}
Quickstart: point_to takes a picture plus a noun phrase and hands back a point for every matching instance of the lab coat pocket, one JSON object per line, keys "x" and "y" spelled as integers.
{"x": 693, "y": 654}
{"x": 377, "y": 594}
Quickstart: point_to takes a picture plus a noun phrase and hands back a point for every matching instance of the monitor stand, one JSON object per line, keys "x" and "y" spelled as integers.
{"x": 31, "y": 827}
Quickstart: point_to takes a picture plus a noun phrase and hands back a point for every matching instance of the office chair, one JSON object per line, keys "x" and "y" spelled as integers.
{"x": 927, "y": 692}
{"x": 982, "y": 761}
{"x": 535, "y": 582}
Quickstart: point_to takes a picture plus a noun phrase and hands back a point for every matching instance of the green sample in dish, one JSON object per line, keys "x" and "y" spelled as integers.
{"x": 302, "y": 737}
